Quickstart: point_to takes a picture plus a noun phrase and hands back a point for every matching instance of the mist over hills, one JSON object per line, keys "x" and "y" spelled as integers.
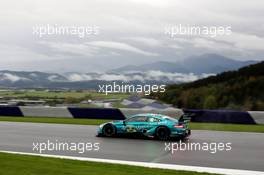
{"x": 162, "y": 72}
{"x": 17, "y": 79}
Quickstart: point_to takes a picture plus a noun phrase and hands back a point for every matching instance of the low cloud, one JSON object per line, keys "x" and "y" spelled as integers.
{"x": 154, "y": 76}
{"x": 121, "y": 46}
{"x": 146, "y": 41}
{"x": 79, "y": 77}
{"x": 138, "y": 76}
{"x": 11, "y": 77}
{"x": 70, "y": 48}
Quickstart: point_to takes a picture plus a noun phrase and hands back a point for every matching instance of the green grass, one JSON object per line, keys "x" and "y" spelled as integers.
{"x": 54, "y": 120}
{"x": 42, "y": 94}
{"x": 118, "y": 105}
{"x": 89, "y": 106}
{"x": 12, "y": 164}
{"x": 227, "y": 127}
{"x": 193, "y": 126}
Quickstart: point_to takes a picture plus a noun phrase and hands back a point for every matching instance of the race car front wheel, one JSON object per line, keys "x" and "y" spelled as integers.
{"x": 162, "y": 133}
{"x": 109, "y": 130}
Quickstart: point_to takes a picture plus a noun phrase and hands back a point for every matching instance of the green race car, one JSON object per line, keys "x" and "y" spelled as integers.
{"x": 158, "y": 126}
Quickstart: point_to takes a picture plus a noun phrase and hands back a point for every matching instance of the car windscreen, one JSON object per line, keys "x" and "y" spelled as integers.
{"x": 137, "y": 119}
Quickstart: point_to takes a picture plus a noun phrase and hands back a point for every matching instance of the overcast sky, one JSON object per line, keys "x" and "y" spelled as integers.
{"x": 130, "y": 32}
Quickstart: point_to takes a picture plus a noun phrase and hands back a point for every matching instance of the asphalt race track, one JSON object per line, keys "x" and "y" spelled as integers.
{"x": 247, "y": 148}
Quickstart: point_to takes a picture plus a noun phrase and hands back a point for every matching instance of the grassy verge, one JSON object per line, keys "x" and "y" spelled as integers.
{"x": 12, "y": 164}
{"x": 54, "y": 120}
{"x": 42, "y": 94}
{"x": 227, "y": 127}
{"x": 193, "y": 126}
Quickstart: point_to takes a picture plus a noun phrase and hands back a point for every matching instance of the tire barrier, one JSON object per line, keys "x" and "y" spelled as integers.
{"x": 224, "y": 116}
{"x": 64, "y": 112}
{"x": 10, "y": 111}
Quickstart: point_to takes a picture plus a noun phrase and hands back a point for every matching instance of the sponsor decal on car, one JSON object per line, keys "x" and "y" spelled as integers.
{"x": 131, "y": 129}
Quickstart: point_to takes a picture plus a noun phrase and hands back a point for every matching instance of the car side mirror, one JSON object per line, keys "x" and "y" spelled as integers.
{"x": 124, "y": 123}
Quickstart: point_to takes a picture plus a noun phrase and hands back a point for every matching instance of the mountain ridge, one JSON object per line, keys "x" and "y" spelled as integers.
{"x": 206, "y": 63}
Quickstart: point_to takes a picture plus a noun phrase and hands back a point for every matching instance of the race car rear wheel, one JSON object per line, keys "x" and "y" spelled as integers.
{"x": 109, "y": 130}
{"x": 162, "y": 133}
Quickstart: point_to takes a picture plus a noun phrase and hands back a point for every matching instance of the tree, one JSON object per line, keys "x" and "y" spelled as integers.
{"x": 210, "y": 102}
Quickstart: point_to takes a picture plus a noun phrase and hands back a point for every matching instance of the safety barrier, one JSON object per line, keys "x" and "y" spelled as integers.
{"x": 68, "y": 112}
{"x": 226, "y": 116}
{"x": 210, "y": 116}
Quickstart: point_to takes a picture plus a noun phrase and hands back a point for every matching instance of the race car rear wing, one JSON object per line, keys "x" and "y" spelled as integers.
{"x": 186, "y": 117}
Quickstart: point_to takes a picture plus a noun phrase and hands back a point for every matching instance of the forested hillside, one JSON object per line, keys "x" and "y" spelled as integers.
{"x": 242, "y": 89}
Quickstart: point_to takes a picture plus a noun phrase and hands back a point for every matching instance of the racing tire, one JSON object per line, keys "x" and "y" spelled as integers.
{"x": 109, "y": 130}
{"x": 162, "y": 133}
